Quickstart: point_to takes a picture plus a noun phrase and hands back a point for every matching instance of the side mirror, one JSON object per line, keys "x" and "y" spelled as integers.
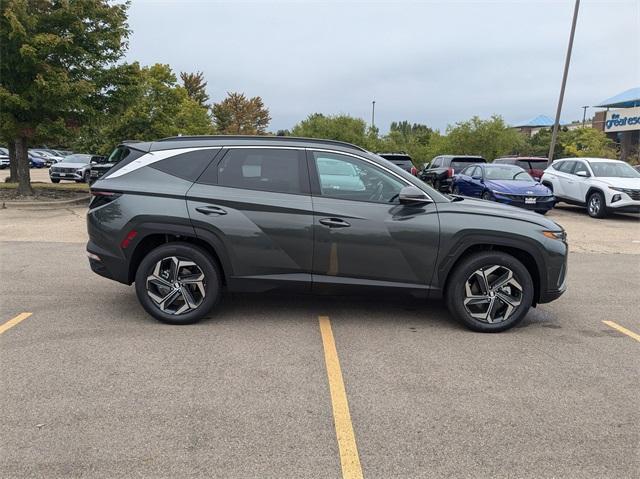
{"x": 412, "y": 195}
{"x": 476, "y": 177}
{"x": 582, "y": 173}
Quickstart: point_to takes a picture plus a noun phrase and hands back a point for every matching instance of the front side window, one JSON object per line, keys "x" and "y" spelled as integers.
{"x": 566, "y": 166}
{"x": 348, "y": 178}
{"x": 265, "y": 169}
{"x": 580, "y": 166}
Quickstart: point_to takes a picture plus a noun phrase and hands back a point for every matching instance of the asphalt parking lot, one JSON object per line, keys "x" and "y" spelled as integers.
{"x": 93, "y": 387}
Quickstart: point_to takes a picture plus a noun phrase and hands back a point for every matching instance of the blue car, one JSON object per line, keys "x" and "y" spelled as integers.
{"x": 507, "y": 184}
{"x": 36, "y": 161}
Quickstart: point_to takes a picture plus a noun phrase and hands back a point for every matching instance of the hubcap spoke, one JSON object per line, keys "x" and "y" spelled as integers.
{"x": 492, "y": 294}
{"x": 176, "y": 285}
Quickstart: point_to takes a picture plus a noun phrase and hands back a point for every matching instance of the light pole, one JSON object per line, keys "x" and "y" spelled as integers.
{"x": 584, "y": 115}
{"x": 556, "y": 124}
{"x": 373, "y": 114}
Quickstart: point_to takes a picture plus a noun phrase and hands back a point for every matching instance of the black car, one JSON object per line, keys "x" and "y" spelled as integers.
{"x": 534, "y": 165}
{"x": 402, "y": 160}
{"x": 439, "y": 173}
{"x": 188, "y": 217}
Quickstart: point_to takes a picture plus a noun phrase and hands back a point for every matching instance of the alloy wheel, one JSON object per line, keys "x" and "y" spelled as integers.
{"x": 176, "y": 285}
{"x": 594, "y": 205}
{"x": 492, "y": 294}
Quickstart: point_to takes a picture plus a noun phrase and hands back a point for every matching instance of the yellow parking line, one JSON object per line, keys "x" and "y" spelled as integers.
{"x": 623, "y": 330}
{"x": 12, "y": 322}
{"x": 349, "y": 459}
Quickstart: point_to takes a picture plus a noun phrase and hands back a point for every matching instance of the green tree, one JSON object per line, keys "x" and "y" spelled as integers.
{"x": 147, "y": 104}
{"x": 587, "y": 142}
{"x": 490, "y": 138}
{"x": 334, "y": 127}
{"x": 239, "y": 115}
{"x": 52, "y": 52}
{"x": 196, "y": 86}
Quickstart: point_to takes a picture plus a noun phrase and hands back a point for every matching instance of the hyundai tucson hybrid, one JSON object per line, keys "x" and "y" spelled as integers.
{"x": 185, "y": 218}
{"x": 602, "y": 185}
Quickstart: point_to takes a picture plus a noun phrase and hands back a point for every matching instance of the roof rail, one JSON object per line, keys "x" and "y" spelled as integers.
{"x": 283, "y": 139}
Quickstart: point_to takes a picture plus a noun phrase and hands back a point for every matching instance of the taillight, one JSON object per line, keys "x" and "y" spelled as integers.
{"x": 101, "y": 198}
{"x": 450, "y": 172}
{"x": 414, "y": 171}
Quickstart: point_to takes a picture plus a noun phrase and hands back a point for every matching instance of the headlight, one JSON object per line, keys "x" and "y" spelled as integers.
{"x": 80, "y": 171}
{"x": 499, "y": 192}
{"x": 559, "y": 235}
{"x": 616, "y": 189}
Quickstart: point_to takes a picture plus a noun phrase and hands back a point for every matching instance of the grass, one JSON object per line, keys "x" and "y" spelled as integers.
{"x": 49, "y": 186}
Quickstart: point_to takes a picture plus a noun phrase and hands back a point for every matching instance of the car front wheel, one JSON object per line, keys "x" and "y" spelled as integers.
{"x": 489, "y": 291}
{"x": 487, "y": 196}
{"x": 596, "y": 206}
{"x": 178, "y": 283}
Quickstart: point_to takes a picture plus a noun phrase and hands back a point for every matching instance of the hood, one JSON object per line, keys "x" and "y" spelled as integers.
{"x": 631, "y": 183}
{"x": 63, "y": 164}
{"x": 492, "y": 208}
{"x": 515, "y": 187}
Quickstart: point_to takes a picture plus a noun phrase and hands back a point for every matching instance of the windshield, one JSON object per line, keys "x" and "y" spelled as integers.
{"x": 613, "y": 170}
{"x": 506, "y": 172}
{"x": 78, "y": 159}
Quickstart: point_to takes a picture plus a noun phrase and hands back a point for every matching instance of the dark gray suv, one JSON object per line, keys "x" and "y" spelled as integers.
{"x": 187, "y": 217}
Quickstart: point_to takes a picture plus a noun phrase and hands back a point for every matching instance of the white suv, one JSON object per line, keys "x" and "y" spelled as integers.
{"x": 600, "y": 184}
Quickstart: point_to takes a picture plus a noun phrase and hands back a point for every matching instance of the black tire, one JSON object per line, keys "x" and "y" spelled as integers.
{"x": 596, "y": 206}
{"x": 548, "y": 185}
{"x": 188, "y": 252}
{"x": 436, "y": 185}
{"x": 55, "y": 180}
{"x": 487, "y": 196}
{"x": 455, "y": 294}
{"x": 455, "y": 190}
{"x": 86, "y": 178}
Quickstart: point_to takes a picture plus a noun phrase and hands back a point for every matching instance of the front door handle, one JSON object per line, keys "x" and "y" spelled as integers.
{"x": 334, "y": 223}
{"x": 211, "y": 210}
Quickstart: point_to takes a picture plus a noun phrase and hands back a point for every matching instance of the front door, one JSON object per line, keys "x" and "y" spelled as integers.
{"x": 256, "y": 203}
{"x": 363, "y": 235}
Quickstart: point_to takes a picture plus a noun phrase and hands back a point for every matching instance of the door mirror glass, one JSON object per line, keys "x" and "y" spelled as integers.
{"x": 412, "y": 195}
{"x": 582, "y": 173}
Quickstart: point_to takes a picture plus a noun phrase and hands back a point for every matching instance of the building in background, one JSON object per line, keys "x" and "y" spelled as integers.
{"x": 541, "y": 122}
{"x": 621, "y": 122}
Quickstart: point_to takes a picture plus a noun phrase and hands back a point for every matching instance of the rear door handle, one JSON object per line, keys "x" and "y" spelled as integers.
{"x": 211, "y": 210}
{"x": 334, "y": 223}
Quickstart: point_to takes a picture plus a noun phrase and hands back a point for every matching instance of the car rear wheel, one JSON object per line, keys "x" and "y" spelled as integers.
{"x": 178, "y": 283}
{"x": 596, "y": 206}
{"x": 55, "y": 180}
{"x": 489, "y": 292}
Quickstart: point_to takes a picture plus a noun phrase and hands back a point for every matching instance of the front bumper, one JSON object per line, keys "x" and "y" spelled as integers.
{"x": 543, "y": 203}
{"x": 55, "y": 175}
{"x": 624, "y": 205}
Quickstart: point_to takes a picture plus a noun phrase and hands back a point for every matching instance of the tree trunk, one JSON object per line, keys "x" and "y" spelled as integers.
{"x": 13, "y": 162}
{"x": 24, "y": 174}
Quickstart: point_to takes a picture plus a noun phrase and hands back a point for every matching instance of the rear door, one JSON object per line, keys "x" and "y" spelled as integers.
{"x": 363, "y": 236}
{"x": 255, "y": 204}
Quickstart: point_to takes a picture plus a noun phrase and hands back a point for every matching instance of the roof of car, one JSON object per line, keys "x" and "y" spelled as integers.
{"x": 609, "y": 160}
{"x": 239, "y": 140}
{"x": 521, "y": 158}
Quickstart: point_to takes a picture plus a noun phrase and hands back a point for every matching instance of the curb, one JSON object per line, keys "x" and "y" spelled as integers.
{"x": 35, "y": 205}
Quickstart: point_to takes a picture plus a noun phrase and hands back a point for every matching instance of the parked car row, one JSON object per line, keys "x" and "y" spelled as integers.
{"x": 601, "y": 185}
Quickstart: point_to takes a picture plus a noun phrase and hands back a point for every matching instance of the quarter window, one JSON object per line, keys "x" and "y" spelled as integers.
{"x": 265, "y": 169}
{"x": 348, "y": 178}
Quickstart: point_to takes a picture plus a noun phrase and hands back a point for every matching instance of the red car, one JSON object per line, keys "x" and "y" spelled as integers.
{"x": 534, "y": 165}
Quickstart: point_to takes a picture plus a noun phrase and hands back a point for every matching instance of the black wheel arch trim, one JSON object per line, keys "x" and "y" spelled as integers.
{"x": 154, "y": 226}
{"x": 471, "y": 240}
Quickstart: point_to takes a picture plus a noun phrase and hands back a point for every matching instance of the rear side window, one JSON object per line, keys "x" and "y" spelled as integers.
{"x": 538, "y": 164}
{"x": 123, "y": 155}
{"x": 188, "y": 166}
{"x": 524, "y": 164}
{"x": 264, "y": 169}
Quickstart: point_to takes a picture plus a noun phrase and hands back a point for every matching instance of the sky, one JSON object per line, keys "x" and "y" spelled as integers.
{"x": 431, "y": 62}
